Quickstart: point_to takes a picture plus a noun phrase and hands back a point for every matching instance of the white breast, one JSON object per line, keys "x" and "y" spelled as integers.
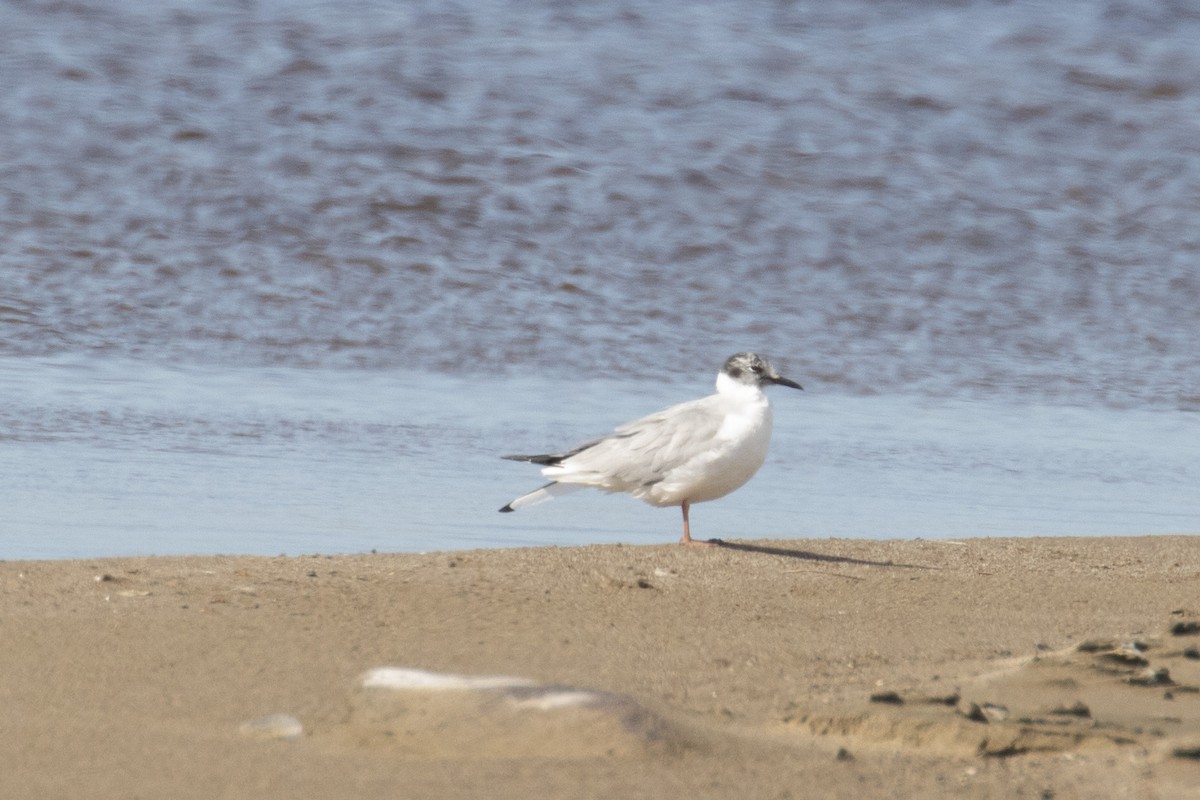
{"x": 737, "y": 451}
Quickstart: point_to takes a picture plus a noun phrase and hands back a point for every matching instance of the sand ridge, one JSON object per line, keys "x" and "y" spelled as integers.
{"x": 1100, "y": 693}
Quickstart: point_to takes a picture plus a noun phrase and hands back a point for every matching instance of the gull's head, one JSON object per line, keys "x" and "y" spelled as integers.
{"x": 751, "y": 369}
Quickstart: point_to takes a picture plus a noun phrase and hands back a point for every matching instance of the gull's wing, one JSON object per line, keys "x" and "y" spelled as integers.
{"x": 645, "y": 451}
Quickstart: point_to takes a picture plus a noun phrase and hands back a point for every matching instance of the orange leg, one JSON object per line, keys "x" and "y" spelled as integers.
{"x": 687, "y": 533}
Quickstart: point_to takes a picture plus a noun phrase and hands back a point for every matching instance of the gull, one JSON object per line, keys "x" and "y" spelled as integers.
{"x": 688, "y": 453}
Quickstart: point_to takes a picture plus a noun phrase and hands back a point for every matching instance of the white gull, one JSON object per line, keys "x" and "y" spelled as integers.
{"x": 689, "y": 453}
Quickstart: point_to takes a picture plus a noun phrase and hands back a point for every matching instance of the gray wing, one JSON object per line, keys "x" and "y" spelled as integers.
{"x": 643, "y": 452}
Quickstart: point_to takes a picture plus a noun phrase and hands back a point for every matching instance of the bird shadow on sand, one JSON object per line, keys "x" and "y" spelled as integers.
{"x": 808, "y": 555}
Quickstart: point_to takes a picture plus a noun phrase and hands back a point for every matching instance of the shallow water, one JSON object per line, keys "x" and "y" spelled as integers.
{"x": 288, "y": 276}
{"x": 115, "y": 458}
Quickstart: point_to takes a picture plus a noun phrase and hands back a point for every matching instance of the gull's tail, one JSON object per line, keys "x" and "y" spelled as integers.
{"x": 547, "y": 492}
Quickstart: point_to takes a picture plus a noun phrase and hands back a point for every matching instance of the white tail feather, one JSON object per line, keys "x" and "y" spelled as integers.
{"x": 547, "y": 492}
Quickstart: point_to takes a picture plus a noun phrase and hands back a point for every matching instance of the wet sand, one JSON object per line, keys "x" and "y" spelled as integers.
{"x": 823, "y": 668}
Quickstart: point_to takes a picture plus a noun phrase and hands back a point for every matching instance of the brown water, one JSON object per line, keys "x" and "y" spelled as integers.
{"x": 985, "y": 210}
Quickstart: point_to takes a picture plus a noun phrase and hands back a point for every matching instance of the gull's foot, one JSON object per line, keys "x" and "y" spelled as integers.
{"x": 701, "y": 542}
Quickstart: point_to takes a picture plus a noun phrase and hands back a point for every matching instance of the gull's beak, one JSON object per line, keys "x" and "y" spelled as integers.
{"x": 785, "y": 382}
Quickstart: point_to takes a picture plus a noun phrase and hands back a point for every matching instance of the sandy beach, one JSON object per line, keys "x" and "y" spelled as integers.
{"x": 1040, "y": 668}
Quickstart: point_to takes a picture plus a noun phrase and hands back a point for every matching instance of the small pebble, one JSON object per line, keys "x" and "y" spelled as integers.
{"x": 1126, "y": 654}
{"x": 1151, "y": 676}
{"x": 994, "y": 712}
{"x": 1079, "y": 709}
{"x": 985, "y": 712}
{"x": 1189, "y": 750}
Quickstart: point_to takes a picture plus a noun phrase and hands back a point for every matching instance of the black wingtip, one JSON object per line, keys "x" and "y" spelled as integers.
{"x": 548, "y": 460}
{"x": 507, "y": 509}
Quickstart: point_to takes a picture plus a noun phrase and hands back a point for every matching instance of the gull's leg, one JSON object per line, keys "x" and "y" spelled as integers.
{"x": 687, "y": 533}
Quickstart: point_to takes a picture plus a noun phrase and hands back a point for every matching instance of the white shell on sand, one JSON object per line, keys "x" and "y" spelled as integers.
{"x": 273, "y": 726}
{"x": 436, "y": 715}
{"x": 402, "y": 678}
{"x": 554, "y": 699}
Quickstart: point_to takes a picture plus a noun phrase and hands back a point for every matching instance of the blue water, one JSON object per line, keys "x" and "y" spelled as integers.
{"x": 288, "y": 277}
{"x": 110, "y": 457}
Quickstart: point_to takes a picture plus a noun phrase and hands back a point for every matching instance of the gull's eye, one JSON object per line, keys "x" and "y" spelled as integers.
{"x": 757, "y": 369}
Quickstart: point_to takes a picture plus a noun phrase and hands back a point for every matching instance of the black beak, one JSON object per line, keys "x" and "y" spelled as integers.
{"x": 785, "y": 382}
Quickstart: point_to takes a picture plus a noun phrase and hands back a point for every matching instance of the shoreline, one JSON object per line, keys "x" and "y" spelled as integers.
{"x": 762, "y": 668}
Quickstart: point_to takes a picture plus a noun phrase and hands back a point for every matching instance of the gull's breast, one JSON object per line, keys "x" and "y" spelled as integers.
{"x": 737, "y": 452}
